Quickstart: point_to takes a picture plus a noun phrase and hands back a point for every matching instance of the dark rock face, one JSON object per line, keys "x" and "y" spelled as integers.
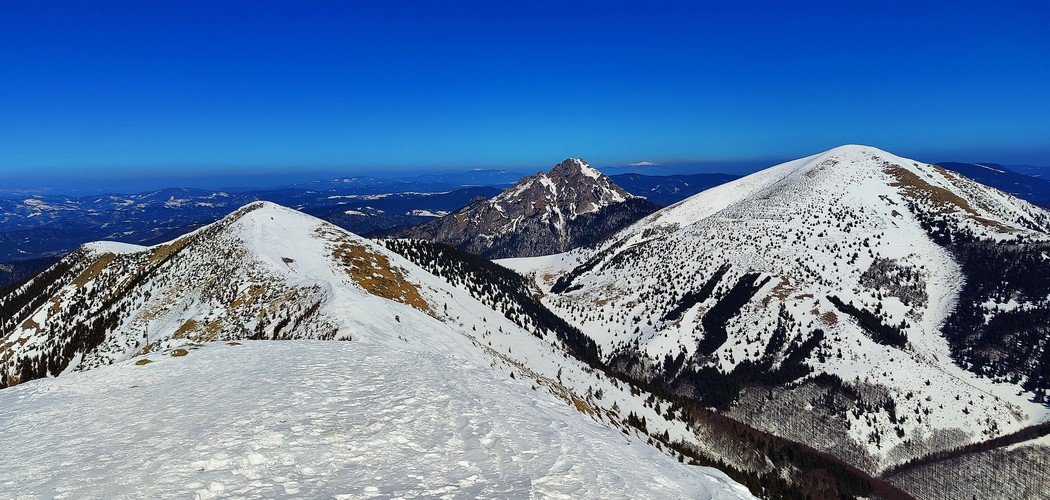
{"x": 570, "y": 206}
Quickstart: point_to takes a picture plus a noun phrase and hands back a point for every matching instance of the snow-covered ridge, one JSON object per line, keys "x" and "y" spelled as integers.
{"x": 115, "y": 247}
{"x": 269, "y": 272}
{"x": 850, "y": 173}
{"x": 302, "y": 419}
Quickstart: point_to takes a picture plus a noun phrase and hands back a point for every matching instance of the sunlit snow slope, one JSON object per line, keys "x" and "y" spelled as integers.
{"x": 828, "y": 278}
{"x": 308, "y": 419}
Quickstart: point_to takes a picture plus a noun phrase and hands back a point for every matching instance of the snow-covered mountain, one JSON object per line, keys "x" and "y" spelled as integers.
{"x": 136, "y": 337}
{"x": 571, "y": 205}
{"x": 869, "y": 305}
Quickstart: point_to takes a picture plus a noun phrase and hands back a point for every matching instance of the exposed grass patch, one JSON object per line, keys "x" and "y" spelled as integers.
{"x": 30, "y": 324}
{"x": 164, "y": 251}
{"x": 780, "y": 292}
{"x": 581, "y": 406}
{"x": 179, "y": 352}
{"x": 210, "y": 331}
{"x": 56, "y": 304}
{"x": 374, "y": 272}
{"x": 249, "y": 298}
{"x": 94, "y": 269}
{"x": 6, "y": 351}
{"x": 187, "y": 327}
{"x": 143, "y": 361}
{"x": 943, "y": 201}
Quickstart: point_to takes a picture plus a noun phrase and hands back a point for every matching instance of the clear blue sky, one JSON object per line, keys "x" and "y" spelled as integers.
{"x": 165, "y": 88}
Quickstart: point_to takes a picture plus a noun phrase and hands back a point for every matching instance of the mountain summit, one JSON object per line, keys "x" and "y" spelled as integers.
{"x": 119, "y": 344}
{"x": 885, "y": 295}
{"x": 569, "y": 206}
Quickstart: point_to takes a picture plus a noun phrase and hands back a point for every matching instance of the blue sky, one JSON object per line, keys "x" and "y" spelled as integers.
{"x": 189, "y": 91}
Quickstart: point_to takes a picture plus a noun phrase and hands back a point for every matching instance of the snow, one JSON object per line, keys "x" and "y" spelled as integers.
{"x": 312, "y": 419}
{"x": 113, "y": 247}
{"x": 589, "y": 171}
{"x": 815, "y": 224}
{"x": 419, "y": 212}
{"x": 990, "y": 168}
{"x": 173, "y": 202}
{"x": 380, "y": 196}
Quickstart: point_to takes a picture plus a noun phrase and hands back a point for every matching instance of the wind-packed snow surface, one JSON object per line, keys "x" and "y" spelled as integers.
{"x": 311, "y": 419}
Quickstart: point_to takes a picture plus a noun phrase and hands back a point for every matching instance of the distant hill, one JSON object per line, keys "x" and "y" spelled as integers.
{"x": 665, "y": 190}
{"x": 39, "y": 226}
{"x": 1024, "y": 186}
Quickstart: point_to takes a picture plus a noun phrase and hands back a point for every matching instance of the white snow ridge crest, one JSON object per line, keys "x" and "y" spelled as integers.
{"x": 430, "y": 398}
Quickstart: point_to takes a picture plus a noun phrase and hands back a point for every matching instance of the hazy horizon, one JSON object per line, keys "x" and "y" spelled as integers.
{"x": 74, "y": 183}
{"x": 117, "y": 95}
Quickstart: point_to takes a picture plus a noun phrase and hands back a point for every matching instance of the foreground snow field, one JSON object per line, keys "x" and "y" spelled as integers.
{"x": 311, "y": 419}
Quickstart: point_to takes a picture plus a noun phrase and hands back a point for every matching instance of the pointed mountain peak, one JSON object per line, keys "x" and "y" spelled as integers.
{"x": 572, "y": 167}
{"x": 549, "y": 212}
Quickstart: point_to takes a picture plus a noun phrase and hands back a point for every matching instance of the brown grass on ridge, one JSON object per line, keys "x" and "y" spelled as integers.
{"x": 374, "y": 272}
{"x": 944, "y": 201}
{"x": 94, "y": 269}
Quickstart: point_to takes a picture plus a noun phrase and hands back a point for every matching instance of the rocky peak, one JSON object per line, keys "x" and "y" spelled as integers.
{"x": 570, "y": 205}
{"x": 573, "y": 167}
{"x": 572, "y": 187}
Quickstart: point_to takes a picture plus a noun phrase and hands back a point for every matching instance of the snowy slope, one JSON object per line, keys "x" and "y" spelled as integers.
{"x": 303, "y": 419}
{"x": 830, "y": 262}
{"x": 268, "y": 272}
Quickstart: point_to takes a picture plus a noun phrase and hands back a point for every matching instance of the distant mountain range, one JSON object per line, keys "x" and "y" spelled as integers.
{"x": 1026, "y": 187}
{"x": 670, "y": 189}
{"x": 37, "y": 228}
